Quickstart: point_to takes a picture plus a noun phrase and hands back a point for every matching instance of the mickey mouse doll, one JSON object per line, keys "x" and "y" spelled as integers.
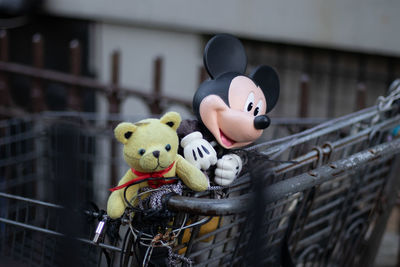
{"x": 230, "y": 108}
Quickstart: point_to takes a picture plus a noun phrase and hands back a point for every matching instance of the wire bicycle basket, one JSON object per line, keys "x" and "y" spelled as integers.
{"x": 319, "y": 197}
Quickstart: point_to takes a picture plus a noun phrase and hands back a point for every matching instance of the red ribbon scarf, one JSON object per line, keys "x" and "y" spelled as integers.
{"x": 144, "y": 175}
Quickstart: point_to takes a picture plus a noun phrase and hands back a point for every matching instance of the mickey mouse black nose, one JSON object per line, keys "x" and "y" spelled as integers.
{"x": 156, "y": 153}
{"x": 261, "y": 122}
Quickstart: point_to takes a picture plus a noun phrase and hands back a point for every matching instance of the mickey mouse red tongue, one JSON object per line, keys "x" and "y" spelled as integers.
{"x": 226, "y": 141}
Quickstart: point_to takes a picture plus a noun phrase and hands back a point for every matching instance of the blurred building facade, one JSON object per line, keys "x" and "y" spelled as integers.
{"x": 335, "y": 46}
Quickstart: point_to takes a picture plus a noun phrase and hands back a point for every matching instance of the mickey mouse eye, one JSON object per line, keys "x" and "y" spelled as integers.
{"x": 142, "y": 151}
{"x": 258, "y": 108}
{"x": 168, "y": 147}
{"x": 249, "y": 103}
{"x": 256, "y": 111}
{"x": 249, "y": 106}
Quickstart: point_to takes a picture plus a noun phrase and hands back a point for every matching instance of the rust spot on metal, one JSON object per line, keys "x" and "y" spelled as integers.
{"x": 374, "y": 158}
{"x": 313, "y": 173}
{"x": 338, "y": 173}
{"x": 333, "y": 166}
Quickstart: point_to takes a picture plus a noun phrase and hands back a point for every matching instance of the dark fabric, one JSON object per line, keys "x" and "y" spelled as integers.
{"x": 190, "y": 126}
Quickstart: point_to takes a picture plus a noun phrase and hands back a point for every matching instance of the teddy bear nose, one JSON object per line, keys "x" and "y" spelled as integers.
{"x": 261, "y": 122}
{"x": 156, "y": 153}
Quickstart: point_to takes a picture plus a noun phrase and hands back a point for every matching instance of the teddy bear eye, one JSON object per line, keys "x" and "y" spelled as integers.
{"x": 141, "y": 151}
{"x": 168, "y": 147}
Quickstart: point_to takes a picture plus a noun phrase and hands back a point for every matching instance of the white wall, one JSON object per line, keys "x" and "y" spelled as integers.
{"x": 139, "y": 47}
{"x": 368, "y": 25}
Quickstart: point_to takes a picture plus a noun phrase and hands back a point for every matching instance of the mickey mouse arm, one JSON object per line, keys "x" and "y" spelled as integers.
{"x": 228, "y": 169}
{"x": 190, "y": 175}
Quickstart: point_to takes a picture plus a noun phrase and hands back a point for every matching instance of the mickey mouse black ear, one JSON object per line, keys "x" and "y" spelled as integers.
{"x": 267, "y": 79}
{"x": 224, "y": 53}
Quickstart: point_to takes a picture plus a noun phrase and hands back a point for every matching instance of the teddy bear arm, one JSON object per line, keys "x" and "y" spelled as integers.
{"x": 193, "y": 177}
{"x": 116, "y": 204}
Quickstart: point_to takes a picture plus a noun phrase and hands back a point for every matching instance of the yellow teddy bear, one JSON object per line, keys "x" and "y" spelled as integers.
{"x": 151, "y": 150}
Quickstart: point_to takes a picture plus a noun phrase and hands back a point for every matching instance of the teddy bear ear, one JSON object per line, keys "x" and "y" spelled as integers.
{"x": 268, "y": 80}
{"x": 224, "y": 53}
{"x": 172, "y": 119}
{"x": 124, "y": 131}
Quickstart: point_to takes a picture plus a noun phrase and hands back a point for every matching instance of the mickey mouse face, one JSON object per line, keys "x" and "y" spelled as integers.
{"x": 232, "y": 105}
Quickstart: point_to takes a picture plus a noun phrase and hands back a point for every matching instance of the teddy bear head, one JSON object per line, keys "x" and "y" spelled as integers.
{"x": 150, "y": 145}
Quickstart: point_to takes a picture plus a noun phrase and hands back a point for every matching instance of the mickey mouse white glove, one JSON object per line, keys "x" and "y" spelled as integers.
{"x": 228, "y": 168}
{"x": 198, "y": 151}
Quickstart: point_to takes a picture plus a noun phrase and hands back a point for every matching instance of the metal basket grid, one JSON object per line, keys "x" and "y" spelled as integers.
{"x": 324, "y": 204}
